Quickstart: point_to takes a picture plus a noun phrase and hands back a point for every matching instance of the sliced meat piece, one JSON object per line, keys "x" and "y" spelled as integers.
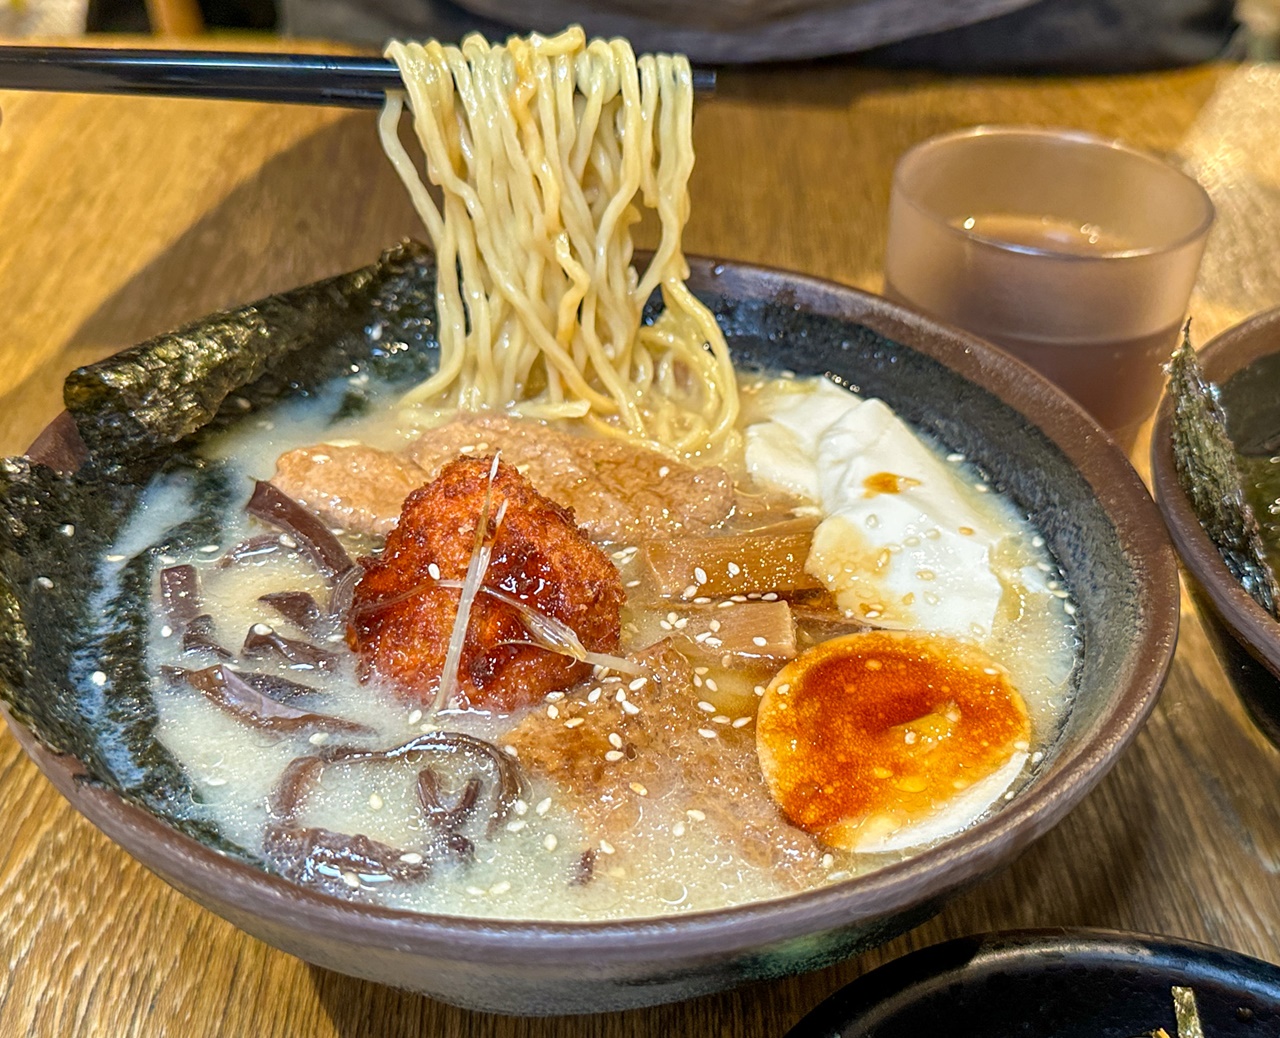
{"x": 354, "y": 487}
{"x": 401, "y": 620}
{"x": 618, "y": 491}
{"x": 619, "y": 787}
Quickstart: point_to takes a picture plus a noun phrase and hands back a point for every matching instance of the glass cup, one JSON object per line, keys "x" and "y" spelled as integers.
{"x": 1074, "y": 253}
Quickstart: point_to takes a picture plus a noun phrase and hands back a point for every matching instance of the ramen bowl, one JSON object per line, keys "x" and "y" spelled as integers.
{"x": 1030, "y": 441}
{"x": 1244, "y": 362}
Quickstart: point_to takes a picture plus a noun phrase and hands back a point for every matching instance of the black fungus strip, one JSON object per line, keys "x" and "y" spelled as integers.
{"x": 344, "y": 593}
{"x": 585, "y": 869}
{"x": 198, "y": 635}
{"x": 252, "y": 548}
{"x": 298, "y": 607}
{"x": 337, "y": 862}
{"x": 440, "y": 816}
{"x": 180, "y": 591}
{"x": 228, "y": 690}
{"x": 272, "y": 505}
{"x": 266, "y": 641}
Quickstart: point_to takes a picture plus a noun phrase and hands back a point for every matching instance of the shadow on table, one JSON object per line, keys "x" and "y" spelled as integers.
{"x": 293, "y": 222}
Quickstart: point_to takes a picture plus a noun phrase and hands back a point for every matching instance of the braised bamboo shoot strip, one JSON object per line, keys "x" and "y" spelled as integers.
{"x": 447, "y": 819}
{"x": 270, "y": 504}
{"x": 719, "y": 567}
{"x": 298, "y": 607}
{"x": 747, "y": 633}
{"x": 226, "y": 689}
{"x": 264, "y": 640}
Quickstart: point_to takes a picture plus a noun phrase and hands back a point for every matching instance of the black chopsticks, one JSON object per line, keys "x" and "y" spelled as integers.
{"x": 313, "y": 79}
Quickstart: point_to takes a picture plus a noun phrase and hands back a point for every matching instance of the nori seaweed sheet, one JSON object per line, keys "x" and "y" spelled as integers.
{"x": 1205, "y": 459}
{"x": 72, "y": 633}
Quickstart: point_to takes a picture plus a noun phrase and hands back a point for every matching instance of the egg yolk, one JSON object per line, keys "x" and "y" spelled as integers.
{"x": 873, "y": 731}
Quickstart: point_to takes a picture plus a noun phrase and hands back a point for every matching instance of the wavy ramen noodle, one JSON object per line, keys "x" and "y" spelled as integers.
{"x": 543, "y": 151}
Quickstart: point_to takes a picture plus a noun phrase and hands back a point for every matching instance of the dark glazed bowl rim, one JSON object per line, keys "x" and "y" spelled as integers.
{"x": 871, "y": 1001}
{"x": 892, "y": 889}
{"x": 1224, "y": 356}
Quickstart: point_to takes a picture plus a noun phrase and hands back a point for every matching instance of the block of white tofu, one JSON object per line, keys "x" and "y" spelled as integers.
{"x": 783, "y": 451}
{"x": 902, "y": 544}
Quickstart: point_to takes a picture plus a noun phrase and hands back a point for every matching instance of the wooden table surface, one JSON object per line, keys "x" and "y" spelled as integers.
{"x": 122, "y": 217}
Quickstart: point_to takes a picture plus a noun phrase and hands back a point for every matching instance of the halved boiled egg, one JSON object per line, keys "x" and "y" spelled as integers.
{"x": 885, "y": 740}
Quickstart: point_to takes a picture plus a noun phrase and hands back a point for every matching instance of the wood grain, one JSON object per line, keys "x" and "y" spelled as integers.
{"x": 120, "y": 218}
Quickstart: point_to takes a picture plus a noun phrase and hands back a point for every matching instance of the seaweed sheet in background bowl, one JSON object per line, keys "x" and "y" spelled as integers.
{"x": 81, "y": 684}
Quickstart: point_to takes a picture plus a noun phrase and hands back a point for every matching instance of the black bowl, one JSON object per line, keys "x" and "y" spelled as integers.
{"x": 1244, "y": 362}
{"x": 1032, "y": 442}
{"x": 1062, "y": 983}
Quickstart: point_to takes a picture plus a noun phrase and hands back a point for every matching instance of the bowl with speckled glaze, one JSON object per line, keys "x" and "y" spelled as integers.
{"x": 1030, "y": 440}
{"x": 1244, "y": 362}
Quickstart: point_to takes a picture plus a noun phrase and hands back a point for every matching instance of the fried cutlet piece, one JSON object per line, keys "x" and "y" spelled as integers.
{"x": 618, "y": 491}
{"x": 351, "y": 486}
{"x": 619, "y": 765}
{"x": 401, "y": 621}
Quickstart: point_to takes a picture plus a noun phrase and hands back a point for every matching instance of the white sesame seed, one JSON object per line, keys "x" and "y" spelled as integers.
{"x": 681, "y": 624}
{"x": 544, "y": 805}
{"x": 262, "y": 629}
{"x": 784, "y": 688}
{"x": 209, "y": 549}
{"x": 44, "y": 582}
{"x": 334, "y": 638}
{"x": 737, "y": 598}
{"x": 734, "y": 569}
{"x": 689, "y": 592}
{"x": 166, "y": 631}
{"x": 98, "y": 678}
{"x": 621, "y": 697}
{"x": 699, "y": 574}
{"x": 677, "y": 829}
{"x": 714, "y": 625}
{"x": 720, "y": 719}
{"x": 1037, "y": 757}
{"x": 411, "y": 858}
{"x": 594, "y": 695}
{"x": 573, "y": 722}
{"x": 318, "y": 738}
{"x": 706, "y": 707}
{"x": 476, "y": 891}
{"x": 707, "y": 733}
{"x": 711, "y": 682}
{"x": 696, "y": 815}
{"x": 638, "y": 683}
{"x": 215, "y": 782}
{"x": 375, "y": 801}
{"x": 615, "y": 740}
{"x": 554, "y": 697}
{"x": 664, "y": 471}
{"x": 1068, "y": 608}
{"x": 613, "y": 756}
{"x": 630, "y": 708}
{"x": 981, "y": 488}
{"x": 433, "y": 571}
{"x": 702, "y": 600}
{"x": 828, "y": 860}
{"x": 520, "y": 807}
{"x": 666, "y": 625}
{"x": 759, "y": 690}
{"x": 114, "y": 558}
{"x": 633, "y": 583}
{"x": 741, "y": 722}
{"x": 350, "y": 878}
{"x": 606, "y": 847}
{"x": 552, "y": 712}
{"x": 68, "y": 529}
{"x": 501, "y": 887}
{"x": 639, "y": 790}
{"x": 758, "y": 640}
{"x": 516, "y": 826}
{"x": 769, "y": 596}
{"x": 415, "y": 716}
{"x": 510, "y": 750}
{"x": 1037, "y": 541}
{"x": 725, "y": 604}
{"x": 285, "y": 541}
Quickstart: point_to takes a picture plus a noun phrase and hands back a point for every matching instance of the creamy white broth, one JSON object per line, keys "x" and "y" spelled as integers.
{"x": 527, "y": 868}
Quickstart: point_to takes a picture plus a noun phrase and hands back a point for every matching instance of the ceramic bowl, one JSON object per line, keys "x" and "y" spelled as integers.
{"x": 1060, "y": 983}
{"x": 1244, "y": 362}
{"x": 1033, "y": 443}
